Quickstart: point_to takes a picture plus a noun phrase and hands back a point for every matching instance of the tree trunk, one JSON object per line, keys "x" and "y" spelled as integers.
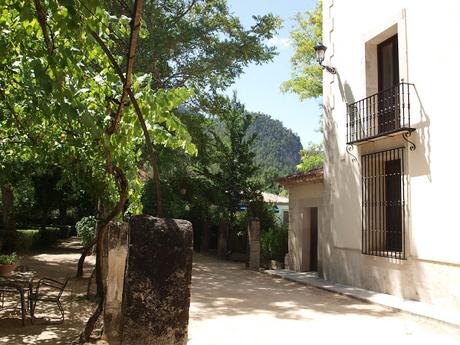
{"x": 44, "y": 220}
{"x": 62, "y": 213}
{"x": 156, "y": 176}
{"x": 150, "y": 149}
{"x": 223, "y": 236}
{"x": 9, "y": 219}
{"x": 205, "y": 234}
{"x": 83, "y": 256}
{"x": 117, "y": 172}
{"x": 100, "y": 214}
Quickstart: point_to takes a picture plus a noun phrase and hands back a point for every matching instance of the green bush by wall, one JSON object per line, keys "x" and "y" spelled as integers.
{"x": 32, "y": 239}
{"x": 274, "y": 243}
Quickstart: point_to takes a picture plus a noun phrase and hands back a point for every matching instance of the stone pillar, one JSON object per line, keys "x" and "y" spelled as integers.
{"x": 286, "y": 262}
{"x": 254, "y": 243}
{"x": 223, "y": 236}
{"x": 157, "y": 281}
{"x": 115, "y": 254}
{"x": 205, "y": 235}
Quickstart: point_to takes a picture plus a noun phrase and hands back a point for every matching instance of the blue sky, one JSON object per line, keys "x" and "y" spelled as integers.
{"x": 259, "y": 87}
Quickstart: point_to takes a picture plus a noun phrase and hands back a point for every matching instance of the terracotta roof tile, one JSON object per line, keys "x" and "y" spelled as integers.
{"x": 312, "y": 176}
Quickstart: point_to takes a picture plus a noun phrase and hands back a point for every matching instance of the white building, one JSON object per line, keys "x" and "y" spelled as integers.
{"x": 281, "y": 206}
{"x": 388, "y": 220}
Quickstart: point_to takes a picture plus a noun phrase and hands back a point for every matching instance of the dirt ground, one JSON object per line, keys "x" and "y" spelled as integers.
{"x": 47, "y": 329}
{"x": 231, "y": 305}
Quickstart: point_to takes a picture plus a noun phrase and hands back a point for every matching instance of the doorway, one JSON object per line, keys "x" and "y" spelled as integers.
{"x": 388, "y": 79}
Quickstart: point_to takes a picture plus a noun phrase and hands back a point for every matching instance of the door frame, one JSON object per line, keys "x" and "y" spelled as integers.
{"x": 313, "y": 240}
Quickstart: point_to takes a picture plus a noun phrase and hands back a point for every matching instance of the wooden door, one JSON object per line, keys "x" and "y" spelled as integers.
{"x": 388, "y": 79}
{"x": 314, "y": 239}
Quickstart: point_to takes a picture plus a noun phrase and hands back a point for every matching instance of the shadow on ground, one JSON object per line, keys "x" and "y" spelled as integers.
{"x": 246, "y": 292}
{"x": 47, "y": 329}
{"x": 232, "y": 305}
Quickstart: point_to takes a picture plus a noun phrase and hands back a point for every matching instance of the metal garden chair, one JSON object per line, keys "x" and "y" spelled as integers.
{"x": 52, "y": 293}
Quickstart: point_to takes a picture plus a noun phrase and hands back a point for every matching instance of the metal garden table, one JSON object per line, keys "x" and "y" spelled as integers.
{"x": 22, "y": 283}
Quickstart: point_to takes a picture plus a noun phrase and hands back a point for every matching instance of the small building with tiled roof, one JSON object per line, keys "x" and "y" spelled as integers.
{"x": 312, "y": 176}
{"x": 305, "y": 205}
{"x": 281, "y": 205}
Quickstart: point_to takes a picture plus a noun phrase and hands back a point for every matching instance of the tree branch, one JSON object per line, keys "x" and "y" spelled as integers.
{"x": 43, "y": 24}
{"x": 102, "y": 228}
{"x": 19, "y": 124}
{"x": 135, "y": 28}
{"x": 117, "y": 172}
{"x": 150, "y": 148}
{"x": 184, "y": 13}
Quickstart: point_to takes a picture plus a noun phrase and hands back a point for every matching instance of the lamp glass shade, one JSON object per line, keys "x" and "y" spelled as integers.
{"x": 320, "y": 51}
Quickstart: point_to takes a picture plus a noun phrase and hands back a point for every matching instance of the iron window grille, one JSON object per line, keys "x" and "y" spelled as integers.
{"x": 383, "y": 204}
{"x": 380, "y": 114}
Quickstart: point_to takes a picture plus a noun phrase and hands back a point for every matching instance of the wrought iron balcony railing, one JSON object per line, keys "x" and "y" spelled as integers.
{"x": 381, "y": 114}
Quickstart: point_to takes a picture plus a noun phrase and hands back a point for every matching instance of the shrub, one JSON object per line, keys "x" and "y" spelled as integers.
{"x": 173, "y": 204}
{"x": 50, "y": 236}
{"x": 58, "y": 232}
{"x": 264, "y": 211}
{"x": 238, "y": 233}
{"x": 86, "y": 229}
{"x": 27, "y": 239}
{"x": 32, "y": 239}
{"x": 11, "y": 259}
{"x": 274, "y": 243}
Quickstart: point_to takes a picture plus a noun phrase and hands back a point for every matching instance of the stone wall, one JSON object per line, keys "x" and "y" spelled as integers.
{"x": 157, "y": 281}
{"x": 115, "y": 254}
{"x": 254, "y": 243}
{"x": 147, "y": 271}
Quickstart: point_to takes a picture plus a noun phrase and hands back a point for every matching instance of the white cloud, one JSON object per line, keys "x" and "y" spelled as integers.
{"x": 280, "y": 42}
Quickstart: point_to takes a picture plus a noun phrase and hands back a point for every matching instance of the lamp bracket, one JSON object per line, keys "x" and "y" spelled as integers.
{"x": 330, "y": 69}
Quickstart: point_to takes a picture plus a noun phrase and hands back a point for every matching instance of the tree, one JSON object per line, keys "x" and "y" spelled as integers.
{"x": 306, "y": 77}
{"x": 8, "y": 239}
{"x": 35, "y": 79}
{"x": 236, "y": 170}
{"x": 57, "y": 63}
{"x": 312, "y": 158}
{"x": 197, "y": 44}
{"x": 182, "y": 185}
{"x": 47, "y": 193}
{"x": 276, "y": 150}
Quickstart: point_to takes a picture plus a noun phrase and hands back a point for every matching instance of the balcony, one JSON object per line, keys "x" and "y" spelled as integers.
{"x": 382, "y": 114}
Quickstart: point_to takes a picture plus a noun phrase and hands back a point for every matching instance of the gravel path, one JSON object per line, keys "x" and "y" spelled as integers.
{"x": 55, "y": 264}
{"x": 231, "y": 305}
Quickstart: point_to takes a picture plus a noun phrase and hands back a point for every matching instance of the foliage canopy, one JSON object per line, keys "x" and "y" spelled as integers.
{"x": 306, "y": 77}
{"x": 312, "y": 158}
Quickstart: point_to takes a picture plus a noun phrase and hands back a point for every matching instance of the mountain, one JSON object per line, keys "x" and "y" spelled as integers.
{"x": 276, "y": 147}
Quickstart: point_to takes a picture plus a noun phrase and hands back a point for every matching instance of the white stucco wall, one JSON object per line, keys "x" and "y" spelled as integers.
{"x": 280, "y": 215}
{"x": 429, "y": 51}
{"x": 302, "y": 197}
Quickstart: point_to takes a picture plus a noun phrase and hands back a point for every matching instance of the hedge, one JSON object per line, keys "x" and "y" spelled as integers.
{"x": 32, "y": 239}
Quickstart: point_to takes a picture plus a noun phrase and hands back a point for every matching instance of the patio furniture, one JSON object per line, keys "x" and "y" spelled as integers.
{"x": 49, "y": 290}
{"x": 18, "y": 283}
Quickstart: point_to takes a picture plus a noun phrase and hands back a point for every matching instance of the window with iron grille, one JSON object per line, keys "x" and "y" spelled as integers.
{"x": 383, "y": 203}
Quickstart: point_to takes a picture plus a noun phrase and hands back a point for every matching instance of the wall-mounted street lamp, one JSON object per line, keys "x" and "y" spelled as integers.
{"x": 320, "y": 51}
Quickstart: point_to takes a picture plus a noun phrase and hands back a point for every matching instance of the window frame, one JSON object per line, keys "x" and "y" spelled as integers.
{"x": 381, "y": 233}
